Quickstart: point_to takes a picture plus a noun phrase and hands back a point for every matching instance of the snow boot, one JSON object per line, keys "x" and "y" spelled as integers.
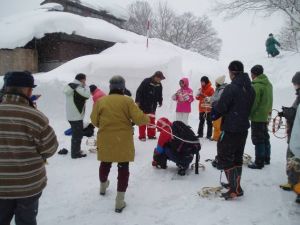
{"x": 234, "y": 176}
{"x": 286, "y": 187}
{"x": 103, "y": 187}
{"x": 120, "y": 203}
{"x": 258, "y": 164}
{"x": 267, "y": 161}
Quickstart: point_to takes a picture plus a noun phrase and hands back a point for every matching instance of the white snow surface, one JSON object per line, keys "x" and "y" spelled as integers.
{"x": 18, "y": 30}
{"x": 159, "y": 196}
{"x": 155, "y": 196}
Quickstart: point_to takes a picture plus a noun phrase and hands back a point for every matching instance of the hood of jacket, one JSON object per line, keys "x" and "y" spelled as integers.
{"x": 242, "y": 80}
{"x": 185, "y": 82}
{"x": 68, "y": 90}
{"x": 261, "y": 79}
{"x": 163, "y": 123}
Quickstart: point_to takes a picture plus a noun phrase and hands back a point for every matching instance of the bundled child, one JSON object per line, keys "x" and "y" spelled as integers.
{"x": 184, "y": 98}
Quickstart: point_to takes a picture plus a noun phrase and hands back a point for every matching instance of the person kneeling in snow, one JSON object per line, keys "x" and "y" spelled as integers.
{"x": 172, "y": 148}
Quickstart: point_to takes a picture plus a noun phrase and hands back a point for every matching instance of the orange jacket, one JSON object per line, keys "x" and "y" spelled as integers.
{"x": 205, "y": 91}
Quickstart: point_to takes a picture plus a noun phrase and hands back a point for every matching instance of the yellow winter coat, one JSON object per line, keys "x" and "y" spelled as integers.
{"x": 113, "y": 115}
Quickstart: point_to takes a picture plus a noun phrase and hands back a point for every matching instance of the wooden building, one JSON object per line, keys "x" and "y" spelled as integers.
{"x": 76, "y": 7}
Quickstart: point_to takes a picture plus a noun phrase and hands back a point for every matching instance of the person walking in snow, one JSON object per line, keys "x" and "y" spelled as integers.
{"x": 76, "y": 95}
{"x": 184, "y": 97}
{"x": 271, "y": 43}
{"x": 220, "y": 86}
{"x": 289, "y": 114}
{"x": 259, "y": 115}
{"x": 96, "y": 92}
{"x": 113, "y": 115}
{"x": 26, "y": 141}
{"x": 203, "y": 96}
{"x": 234, "y": 107}
{"x": 148, "y": 96}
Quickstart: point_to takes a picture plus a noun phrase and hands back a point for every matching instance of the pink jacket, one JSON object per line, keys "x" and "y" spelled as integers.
{"x": 184, "y": 97}
{"x": 97, "y": 94}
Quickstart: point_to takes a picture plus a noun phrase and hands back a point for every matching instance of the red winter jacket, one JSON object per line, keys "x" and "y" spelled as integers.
{"x": 205, "y": 91}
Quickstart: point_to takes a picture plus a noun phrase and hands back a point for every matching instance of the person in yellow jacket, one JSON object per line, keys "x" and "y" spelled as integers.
{"x": 220, "y": 85}
{"x": 114, "y": 115}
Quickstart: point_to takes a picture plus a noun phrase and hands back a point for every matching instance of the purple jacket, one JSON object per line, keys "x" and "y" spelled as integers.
{"x": 184, "y": 97}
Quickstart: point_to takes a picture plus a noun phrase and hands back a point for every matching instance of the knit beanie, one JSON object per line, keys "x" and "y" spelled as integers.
{"x": 80, "y": 77}
{"x": 220, "y": 80}
{"x": 117, "y": 83}
{"x": 296, "y": 78}
{"x": 205, "y": 79}
{"x": 236, "y": 66}
{"x": 92, "y": 88}
{"x": 257, "y": 70}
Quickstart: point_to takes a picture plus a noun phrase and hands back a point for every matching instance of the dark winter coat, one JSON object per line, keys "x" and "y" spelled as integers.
{"x": 271, "y": 43}
{"x": 148, "y": 95}
{"x": 263, "y": 99}
{"x": 235, "y": 104}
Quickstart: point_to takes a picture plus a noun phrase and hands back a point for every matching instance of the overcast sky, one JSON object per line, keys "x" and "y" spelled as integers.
{"x": 251, "y": 28}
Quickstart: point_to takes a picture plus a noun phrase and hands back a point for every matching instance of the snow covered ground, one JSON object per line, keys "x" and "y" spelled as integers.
{"x": 160, "y": 196}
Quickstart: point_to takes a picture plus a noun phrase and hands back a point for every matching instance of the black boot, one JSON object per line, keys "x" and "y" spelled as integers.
{"x": 234, "y": 176}
{"x": 258, "y": 164}
{"x": 267, "y": 161}
{"x": 160, "y": 160}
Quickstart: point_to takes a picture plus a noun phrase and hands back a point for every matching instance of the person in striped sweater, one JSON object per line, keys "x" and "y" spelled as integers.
{"x": 26, "y": 141}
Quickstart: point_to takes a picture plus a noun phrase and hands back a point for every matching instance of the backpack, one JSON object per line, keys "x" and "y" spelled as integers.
{"x": 185, "y": 142}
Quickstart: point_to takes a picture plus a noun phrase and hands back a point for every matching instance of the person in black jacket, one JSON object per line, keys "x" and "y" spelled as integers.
{"x": 148, "y": 96}
{"x": 234, "y": 107}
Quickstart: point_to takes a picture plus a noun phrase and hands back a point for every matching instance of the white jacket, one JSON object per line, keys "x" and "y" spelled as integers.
{"x": 295, "y": 137}
{"x": 73, "y": 113}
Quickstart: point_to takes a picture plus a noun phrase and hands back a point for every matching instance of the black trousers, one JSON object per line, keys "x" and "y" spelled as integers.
{"x": 231, "y": 149}
{"x": 202, "y": 117}
{"x": 261, "y": 139}
{"x": 77, "y": 134}
{"x": 25, "y": 210}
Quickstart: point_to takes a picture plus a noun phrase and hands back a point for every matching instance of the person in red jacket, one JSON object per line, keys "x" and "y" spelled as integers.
{"x": 203, "y": 95}
{"x": 96, "y": 92}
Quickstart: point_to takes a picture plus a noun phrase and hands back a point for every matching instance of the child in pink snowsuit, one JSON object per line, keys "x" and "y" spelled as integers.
{"x": 184, "y": 98}
{"x": 96, "y": 93}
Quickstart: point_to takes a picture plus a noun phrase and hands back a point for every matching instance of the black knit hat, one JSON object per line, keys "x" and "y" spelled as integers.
{"x": 236, "y": 66}
{"x": 257, "y": 70}
{"x": 117, "y": 83}
{"x": 19, "y": 79}
{"x": 92, "y": 88}
{"x": 296, "y": 78}
{"x": 204, "y": 79}
{"x": 80, "y": 77}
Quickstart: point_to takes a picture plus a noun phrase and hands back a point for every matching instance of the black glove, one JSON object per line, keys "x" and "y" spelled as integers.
{"x": 280, "y": 114}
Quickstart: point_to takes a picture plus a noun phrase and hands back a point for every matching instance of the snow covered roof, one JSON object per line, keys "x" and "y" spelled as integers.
{"x": 113, "y": 7}
{"x": 18, "y": 30}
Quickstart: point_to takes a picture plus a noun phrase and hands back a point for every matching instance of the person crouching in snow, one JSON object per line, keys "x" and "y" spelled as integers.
{"x": 184, "y": 98}
{"x": 164, "y": 150}
{"x": 96, "y": 92}
{"x": 113, "y": 116}
{"x": 220, "y": 85}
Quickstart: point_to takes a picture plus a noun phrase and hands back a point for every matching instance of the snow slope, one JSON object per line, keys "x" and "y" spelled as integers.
{"x": 160, "y": 196}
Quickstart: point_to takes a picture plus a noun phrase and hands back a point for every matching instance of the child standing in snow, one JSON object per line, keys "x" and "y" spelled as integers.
{"x": 184, "y": 98}
{"x": 96, "y": 92}
{"x": 203, "y": 95}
